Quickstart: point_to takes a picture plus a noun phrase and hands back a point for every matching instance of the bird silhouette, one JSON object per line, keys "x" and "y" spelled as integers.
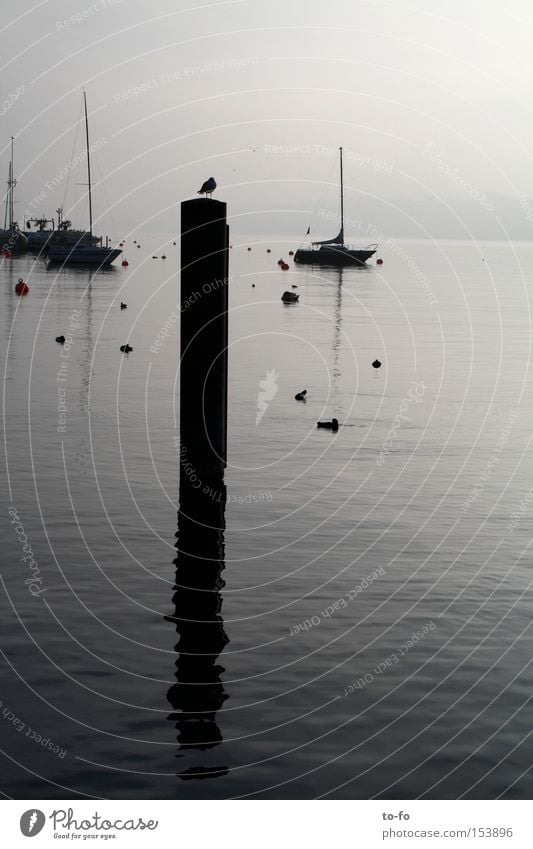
{"x": 126, "y": 349}
{"x": 332, "y": 425}
{"x": 300, "y": 396}
{"x": 123, "y": 306}
{"x": 208, "y": 187}
{"x": 60, "y": 339}
{"x": 376, "y": 364}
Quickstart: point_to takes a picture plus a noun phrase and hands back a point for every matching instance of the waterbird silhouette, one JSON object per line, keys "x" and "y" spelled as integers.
{"x": 60, "y": 339}
{"x": 300, "y": 396}
{"x": 332, "y": 425}
{"x": 126, "y": 349}
{"x": 208, "y": 187}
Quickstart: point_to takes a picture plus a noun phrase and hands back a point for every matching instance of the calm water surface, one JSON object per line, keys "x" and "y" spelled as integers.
{"x": 414, "y": 517}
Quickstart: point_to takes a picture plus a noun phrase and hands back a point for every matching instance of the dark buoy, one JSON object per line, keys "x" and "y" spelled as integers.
{"x": 126, "y": 349}
{"x": 125, "y": 263}
{"x": 138, "y": 246}
{"x": 379, "y": 262}
{"x": 163, "y": 256}
{"x": 285, "y": 266}
{"x": 135, "y": 241}
{"x": 290, "y": 298}
{"x": 22, "y": 288}
{"x": 376, "y": 364}
{"x": 60, "y": 339}
{"x": 123, "y": 306}
{"x": 154, "y": 257}
{"x": 249, "y": 249}
{"x": 268, "y": 250}
{"x": 253, "y": 285}
{"x": 332, "y": 425}
{"x": 294, "y": 286}
{"x": 281, "y": 261}
{"x": 300, "y": 396}
{"x": 291, "y": 253}
{"x": 173, "y": 243}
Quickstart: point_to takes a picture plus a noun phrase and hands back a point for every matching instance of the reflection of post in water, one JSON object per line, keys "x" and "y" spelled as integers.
{"x": 199, "y": 692}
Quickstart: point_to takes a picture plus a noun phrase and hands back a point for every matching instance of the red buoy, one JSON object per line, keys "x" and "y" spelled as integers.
{"x": 285, "y": 266}
{"x": 291, "y": 253}
{"x": 125, "y": 262}
{"x": 268, "y": 250}
{"x": 379, "y": 262}
{"x": 5, "y": 252}
{"x": 22, "y": 288}
{"x": 163, "y": 256}
{"x": 281, "y": 261}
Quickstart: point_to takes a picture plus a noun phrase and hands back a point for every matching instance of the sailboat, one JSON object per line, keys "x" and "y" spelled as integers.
{"x": 12, "y": 240}
{"x": 83, "y": 252}
{"x": 335, "y": 251}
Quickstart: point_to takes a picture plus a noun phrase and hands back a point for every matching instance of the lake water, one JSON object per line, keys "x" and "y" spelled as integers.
{"x": 413, "y": 519}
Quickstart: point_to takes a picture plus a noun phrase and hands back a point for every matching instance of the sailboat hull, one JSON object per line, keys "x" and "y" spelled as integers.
{"x": 13, "y": 241}
{"x": 83, "y": 255}
{"x": 334, "y": 255}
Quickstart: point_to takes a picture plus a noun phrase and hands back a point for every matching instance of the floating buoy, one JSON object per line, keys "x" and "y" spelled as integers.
{"x": 135, "y": 241}
{"x": 22, "y": 288}
{"x": 332, "y": 425}
{"x": 123, "y": 306}
{"x": 379, "y": 262}
{"x": 126, "y": 349}
{"x": 60, "y": 339}
{"x": 163, "y": 256}
{"x": 249, "y": 249}
{"x": 154, "y": 257}
{"x": 138, "y": 246}
{"x": 281, "y": 261}
{"x": 300, "y": 396}
{"x": 125, "y": 262}
{"x": 268, "y": 250}
{"x": 121, "y": 244}
{"x": 285, "y": 266}
{"x": 376, "y": 364}
{"x": 294, "y": 286}
{"x": 173, "y": 243}
{"x": 291, "y": 253}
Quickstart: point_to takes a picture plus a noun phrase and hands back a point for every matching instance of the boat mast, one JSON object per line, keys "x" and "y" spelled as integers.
{"x": 88, "y": 164}
{"x": 342, "y": 200}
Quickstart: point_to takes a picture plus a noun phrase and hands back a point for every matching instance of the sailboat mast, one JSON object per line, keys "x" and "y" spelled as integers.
{"x": 88, "y": 164}
{"x": 11, "y": 188}
{"x": 342, "y": 198}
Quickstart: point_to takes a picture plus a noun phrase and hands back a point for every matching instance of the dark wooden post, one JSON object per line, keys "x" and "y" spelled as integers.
{"x": 204, "y": 337}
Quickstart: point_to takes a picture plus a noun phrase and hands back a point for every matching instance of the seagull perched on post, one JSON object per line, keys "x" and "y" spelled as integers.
{"x": 208, "y": 187}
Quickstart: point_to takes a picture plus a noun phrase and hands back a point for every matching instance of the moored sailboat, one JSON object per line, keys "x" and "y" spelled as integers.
{"x": 12, "y": 239}
{"x": 84, "y": 251}
{"x": 335, "y": 251}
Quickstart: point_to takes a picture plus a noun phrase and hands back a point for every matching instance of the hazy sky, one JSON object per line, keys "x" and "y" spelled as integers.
{"x": 431, "y": 101}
